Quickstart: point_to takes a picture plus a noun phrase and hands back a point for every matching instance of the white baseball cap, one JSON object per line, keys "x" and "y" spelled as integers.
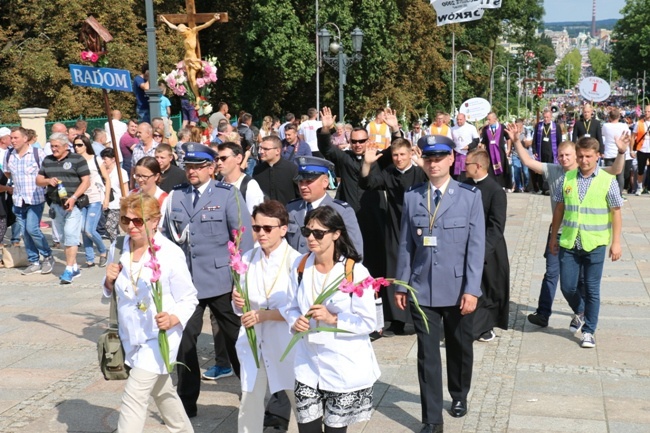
{"x": 4, "y": 131}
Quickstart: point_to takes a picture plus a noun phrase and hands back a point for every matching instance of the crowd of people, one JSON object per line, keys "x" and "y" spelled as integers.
{"x": 427, "y": 207}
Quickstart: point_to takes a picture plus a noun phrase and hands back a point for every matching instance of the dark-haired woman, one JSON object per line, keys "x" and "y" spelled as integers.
{"x": 98, "y": 199}
{"x": 267, "y": 283}
{"x": 148, "y": 174}
{"x": 335, "y": 372}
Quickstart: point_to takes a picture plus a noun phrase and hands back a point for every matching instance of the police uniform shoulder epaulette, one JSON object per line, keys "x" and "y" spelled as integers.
{"x": 295, "y": 200}
{"x": 468, "y": 187}
{"x": 416, "y": 186}
{"x": 181, "y": 186}
{"x": 341, "y": 203}
{"x": 223, "y": 185}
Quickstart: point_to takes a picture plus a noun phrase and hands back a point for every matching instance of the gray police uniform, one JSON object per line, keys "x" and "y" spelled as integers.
{"x": 298, "y": 209}
{"x": 203, "y": 231}
{"x": 442, "y": 263}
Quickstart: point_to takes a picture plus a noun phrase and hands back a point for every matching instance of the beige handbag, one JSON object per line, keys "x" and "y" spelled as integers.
{"x": 14, "y": 257}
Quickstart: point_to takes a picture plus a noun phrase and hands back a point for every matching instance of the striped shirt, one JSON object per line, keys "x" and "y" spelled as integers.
{"x": 23, "y": 174}
{"x": 139, "y": 152}
{"x": 68, "y": 170}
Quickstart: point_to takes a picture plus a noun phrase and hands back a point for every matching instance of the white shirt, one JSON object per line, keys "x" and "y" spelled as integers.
{"x": 138, "y": 330}
{"x": 115, "y": 186}
{"x": 254, "y": 194}
{"x": 308, "y": 130}
{"x": 611, "y": 131}
{"x": 119, "y": 128}
{"x": 463, "y": 136}
{"x": 646, "y": 140}
{"x": 268, "y": 275}
{"x": 341, "y": 362}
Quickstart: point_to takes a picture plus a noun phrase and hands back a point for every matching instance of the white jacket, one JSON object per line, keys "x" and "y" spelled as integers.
{"x": 339, "y": 362}
{"x": 138, "y": 329}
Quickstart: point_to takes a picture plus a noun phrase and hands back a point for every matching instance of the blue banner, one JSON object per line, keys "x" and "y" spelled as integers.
{"x": 103, "y": 78}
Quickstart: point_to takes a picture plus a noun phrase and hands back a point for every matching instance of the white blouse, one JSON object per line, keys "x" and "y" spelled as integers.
{"x": 268, "y": 288}
{"x": 137, "y": 328}
{"x": 339, "y": 362}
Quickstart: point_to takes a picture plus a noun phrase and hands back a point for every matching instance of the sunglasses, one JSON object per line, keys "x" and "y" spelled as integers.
{"x": 137, "y": 222}
{"x": 224, "y": 158}
{"x": 79, "y": 145}
{"x": 267, "y": 229}
{"x": 363, "y": 140}
{"x": 157, "y": 135}
{"x": 318, "y": 234}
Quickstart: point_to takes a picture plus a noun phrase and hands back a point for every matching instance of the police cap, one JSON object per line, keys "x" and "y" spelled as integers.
{"x": 310, "y": 167}
{"x": 435, "y": 145}
{"x": 196, "y": 153}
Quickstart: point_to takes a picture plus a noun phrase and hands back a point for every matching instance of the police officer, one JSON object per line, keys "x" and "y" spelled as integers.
{"x": 441, "y": 252}
{"x": 200, "y": 217}
{"x": 312, "y": 180}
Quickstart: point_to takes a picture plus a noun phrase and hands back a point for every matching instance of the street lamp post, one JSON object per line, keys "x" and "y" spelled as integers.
{"x": 508, "y": 90}
{"x": 505, "y": 72}
{"x": 454, "y": 61}
{"x": 568, "y": 67}
{"x": 340, "y": 61}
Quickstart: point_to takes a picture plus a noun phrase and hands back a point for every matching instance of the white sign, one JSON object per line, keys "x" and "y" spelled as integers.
{"x": 595, "y": 89}
{"x": 475, "y": 109}
{"x": 460, "y": 11}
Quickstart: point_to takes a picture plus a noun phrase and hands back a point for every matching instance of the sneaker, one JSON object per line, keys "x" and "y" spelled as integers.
{"x": 538, "y": 319}
{"x": 34, "y": 268}
{"x": 48, "y": 264}
{"x": 638, "y": 191}
{"x": 215, "y": 372}
{"x": 645, "y": 191}
{"x": 102, "y": 260}
{"x": 588, "y": 341}
{"x": 487, "y": 336}
{"x": 576, "y": 323}
{"x": 76, "y": 273}
{"x": 66, "y": 277}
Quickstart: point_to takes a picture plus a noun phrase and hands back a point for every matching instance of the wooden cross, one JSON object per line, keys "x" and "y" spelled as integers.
{"x": 538, "y": 80}
{"x": 191, "y": 18}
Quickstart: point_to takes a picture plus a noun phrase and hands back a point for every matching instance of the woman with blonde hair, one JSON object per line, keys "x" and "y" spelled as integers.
{"x": 129, "y": 276}
{"x": 266, "y": 129}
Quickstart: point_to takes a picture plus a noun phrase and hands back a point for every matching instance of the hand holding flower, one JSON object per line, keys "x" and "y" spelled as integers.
{"x": 166, "y": 321}
{"x": 321, "y": 313}
{"x": 252, "y": 318}
{"x": 301, "y": 325}
{"x": 238, "y": 300}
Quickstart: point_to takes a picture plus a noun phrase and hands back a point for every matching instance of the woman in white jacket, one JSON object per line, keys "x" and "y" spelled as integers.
{"x": 138, "y": 321}
{"x": 335, "y": 371}
{"x": 267, "y": 282}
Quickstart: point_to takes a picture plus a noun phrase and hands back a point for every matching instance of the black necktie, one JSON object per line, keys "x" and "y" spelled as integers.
{"x": 197, "y": 195}
{"x": 309, "y": 208}
{"x": 436, "y": 198}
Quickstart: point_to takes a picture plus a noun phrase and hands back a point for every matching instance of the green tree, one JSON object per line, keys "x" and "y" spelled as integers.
{"x": 569, "y": 69}
{"x": 631, "y": 51}
{"x": 600, "y": 64}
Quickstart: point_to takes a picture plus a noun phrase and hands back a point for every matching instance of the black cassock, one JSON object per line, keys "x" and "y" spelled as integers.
{"x": 492, "y": 309}
{"x": 395, "y": 183}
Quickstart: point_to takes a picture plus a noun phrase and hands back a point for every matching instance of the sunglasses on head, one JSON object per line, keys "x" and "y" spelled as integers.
{"x": 318, "y": 234}
{"x": 137, "y": 222}
{"x": 363, "y": 140}
{"x": 267, "y": 229}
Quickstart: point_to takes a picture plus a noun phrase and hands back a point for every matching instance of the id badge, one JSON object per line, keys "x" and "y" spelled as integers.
{"x": 545, "y": 139}
{"x": 587, "y": 135}
{"x": 430, "y": 241}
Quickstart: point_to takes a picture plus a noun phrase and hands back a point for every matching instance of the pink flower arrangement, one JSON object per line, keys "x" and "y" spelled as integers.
{"x": 177, "y": 79}
{"x": 89, "y": 56}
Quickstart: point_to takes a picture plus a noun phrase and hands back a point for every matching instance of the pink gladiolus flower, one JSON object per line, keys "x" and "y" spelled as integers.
{"x": 234, "y": 233}
{"x": 155, "y": 267}
{"x": 94, "y": 58}
{"x": 346, "y": 286}
{"x": 379, "y": 283}
{"x": 232, "y": 248}
{"x": 238, "y": 264}
{"x": 242, "y": 229}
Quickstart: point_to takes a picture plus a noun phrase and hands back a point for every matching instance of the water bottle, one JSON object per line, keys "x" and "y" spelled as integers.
{"x": 60, "y": 189}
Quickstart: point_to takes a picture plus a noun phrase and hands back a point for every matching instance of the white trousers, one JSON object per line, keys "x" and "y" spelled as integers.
{"x": 140, "y": 386}
{"x": 251, "y": 407}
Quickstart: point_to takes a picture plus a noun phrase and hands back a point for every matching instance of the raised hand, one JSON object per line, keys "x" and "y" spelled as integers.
{"x": 390, "y": 117}
{"x": 371, "y": 156}
{"x": 623, "y": 142}
{"x": 327, "y": 118}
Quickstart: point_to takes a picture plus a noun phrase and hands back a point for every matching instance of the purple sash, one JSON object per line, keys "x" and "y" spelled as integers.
{"x": 540, "y": 130}
{"x": 493, "y": 149}
{"x": 459, "y": 163}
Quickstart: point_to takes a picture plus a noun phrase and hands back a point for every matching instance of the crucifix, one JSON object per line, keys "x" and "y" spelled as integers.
{"x": 538, "y": 81}
{"x": 187, "y": 27}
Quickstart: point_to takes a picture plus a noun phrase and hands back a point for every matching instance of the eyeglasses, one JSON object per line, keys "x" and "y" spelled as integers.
{"x": 142, "y": 176}
{"x": 267, "y": 229}
{"x": 157, "y": 136}
{"x": 137, "y": 222}
{"x": 318, "y": 234}
{"x": 267, "y": 149}
{"x": 224, "y": 158}
{"x": 363, "y": 140}
{"x": 79, "y": 145}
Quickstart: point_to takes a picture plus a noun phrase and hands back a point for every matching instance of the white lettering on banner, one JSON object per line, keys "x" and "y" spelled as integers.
{"x": 458, "y": 11}
{"x": 100, "y": 78}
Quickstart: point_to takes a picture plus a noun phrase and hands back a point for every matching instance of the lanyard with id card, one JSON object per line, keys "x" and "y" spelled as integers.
{"x": 431, "y": 241}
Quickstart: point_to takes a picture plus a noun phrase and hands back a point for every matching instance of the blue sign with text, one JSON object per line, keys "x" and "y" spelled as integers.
{"x": 103, "y": 78}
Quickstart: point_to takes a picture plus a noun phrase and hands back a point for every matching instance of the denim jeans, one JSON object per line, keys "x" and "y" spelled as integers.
{"x": 35, "y": 242}
{"x": 520, "y": 172}
{"x": 68, "y": 225}
{"x": 592, "y": 265}
{"x": 17, "y": 228}
{"x": 252, "y": 162}
{"x": 91, "y": 215}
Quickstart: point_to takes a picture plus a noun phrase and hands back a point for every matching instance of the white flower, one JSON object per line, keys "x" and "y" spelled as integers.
{"x": 207, "y": 109}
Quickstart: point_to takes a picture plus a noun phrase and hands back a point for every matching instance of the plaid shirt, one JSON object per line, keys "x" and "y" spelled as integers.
{"x": 614, "y": 198}
{"x": 23, "y": 174}
{"x": 139, "y": 152}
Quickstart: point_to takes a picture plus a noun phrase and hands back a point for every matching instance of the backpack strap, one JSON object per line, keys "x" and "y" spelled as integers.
{"x": 349, "y": 270}
{"x": 301, "y": 267}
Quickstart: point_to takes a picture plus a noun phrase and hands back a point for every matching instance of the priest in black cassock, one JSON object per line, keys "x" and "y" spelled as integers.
{"x": 492, "y": 309}
{"x": 395, "y": 180}
{"x": 495, "y": 141}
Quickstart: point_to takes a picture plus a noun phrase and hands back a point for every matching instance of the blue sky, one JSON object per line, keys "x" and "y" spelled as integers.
{"x": 580, "y": 10}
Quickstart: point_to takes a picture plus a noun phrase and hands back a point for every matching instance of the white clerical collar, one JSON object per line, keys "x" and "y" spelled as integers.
{"x": 481, "y": 179}
{"x": 406, "y": 169}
